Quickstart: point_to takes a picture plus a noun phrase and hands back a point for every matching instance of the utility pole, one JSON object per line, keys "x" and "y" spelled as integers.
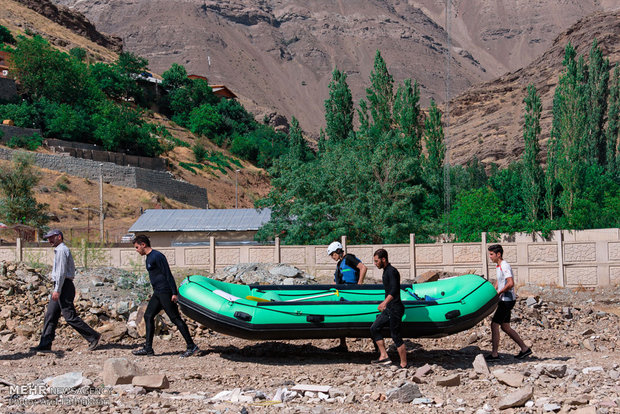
{"x": 101, "y": 234}
{"x": 236, "y": 188}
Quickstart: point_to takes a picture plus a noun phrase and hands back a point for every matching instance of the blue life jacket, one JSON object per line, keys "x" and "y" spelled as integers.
{"x": 346, "y": 273}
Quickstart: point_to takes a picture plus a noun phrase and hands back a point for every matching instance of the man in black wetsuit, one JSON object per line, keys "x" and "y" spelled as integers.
{"x": 164, "y": 297}
{"x": 392, "y": 311}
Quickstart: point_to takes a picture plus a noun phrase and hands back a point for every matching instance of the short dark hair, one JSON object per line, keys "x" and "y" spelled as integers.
{"x": 339, "y": 251}
{"x": 496, "y": 248}
{"x": 141, "y": 238}
{"x": 381, "y": 254}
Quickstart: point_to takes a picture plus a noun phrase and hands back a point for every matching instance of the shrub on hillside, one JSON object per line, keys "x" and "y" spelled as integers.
{"x": 30, "y": 143}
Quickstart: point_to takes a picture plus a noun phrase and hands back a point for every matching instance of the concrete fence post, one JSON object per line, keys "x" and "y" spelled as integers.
{"x": 560, "y": 239}
{"x": 277, "y": 256}
{"x": 19, "y": 251}
{"x": 412, "y": 262}
{"x": 212, "y": 254}
{"x": 343, "y": 241}
{"x": 485, "y": 256}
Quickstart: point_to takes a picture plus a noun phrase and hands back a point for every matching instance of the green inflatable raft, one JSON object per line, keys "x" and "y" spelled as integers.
{"x": 265, "y": 312}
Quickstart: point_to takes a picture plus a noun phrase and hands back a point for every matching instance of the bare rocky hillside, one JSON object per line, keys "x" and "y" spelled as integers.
{"x": 279, "y": 55}
{"x": 487, "y": 120}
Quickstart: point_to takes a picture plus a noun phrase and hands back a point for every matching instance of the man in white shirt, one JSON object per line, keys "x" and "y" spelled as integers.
{"x": 63, "y": 294}
{"x": 507, "y": 299}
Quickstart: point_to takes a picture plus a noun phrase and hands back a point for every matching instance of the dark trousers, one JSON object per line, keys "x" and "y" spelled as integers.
{"x": 64, "y": 306}
{"x": 393, "y": 318}
{"x": 163, "y": 301}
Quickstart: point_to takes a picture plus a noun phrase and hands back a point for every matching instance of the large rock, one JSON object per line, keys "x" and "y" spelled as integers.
{"x": 405, "y": 394}
{"x": 119, "y": 371}
{"x": 517, "y": 398}
{"x": 480, "y": 365}
{"x": 151, "y": 382}
{"x": 449, "y": 381}
{"x": 429, "y": 276}
{"x": 66, "y": 381}
{"x": 510, "y": 378}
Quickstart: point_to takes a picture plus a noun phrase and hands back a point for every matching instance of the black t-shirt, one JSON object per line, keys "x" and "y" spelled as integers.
{"x": 391, "y": 284}
{"x": 160, "y": 274}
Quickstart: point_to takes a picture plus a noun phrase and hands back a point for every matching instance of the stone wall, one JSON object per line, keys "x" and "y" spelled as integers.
{"x": 8, "y": 89}
{"x": 561, "y": 263}
{"x": 10, "y": 131}
{"x": 156, "y": 181}
{"x": 95, "y": 153}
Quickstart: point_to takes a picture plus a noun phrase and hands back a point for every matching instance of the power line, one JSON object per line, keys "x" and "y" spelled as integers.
{"x": 446, "y": 168}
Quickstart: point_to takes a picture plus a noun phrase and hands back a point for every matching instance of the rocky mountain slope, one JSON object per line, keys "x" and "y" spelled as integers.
{"x": 487, "y": 120}
{"x": 279, "y": 55}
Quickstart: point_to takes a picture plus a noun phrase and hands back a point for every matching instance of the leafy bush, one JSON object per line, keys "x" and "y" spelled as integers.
{"x": 6, "y": 36}
{"x": 205, "y": 120}
{"x": 30, "y": 143}
{"x": 199, "y": 152}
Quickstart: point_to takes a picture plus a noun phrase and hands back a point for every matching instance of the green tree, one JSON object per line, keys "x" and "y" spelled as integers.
{"x": 17, "y": 202}
{"x": 598, "y": 90}
{"x": 380, "y": 95}
{"x": 205, "y": 120}
{"x": 175, "y": 77}
{"x": 339, "y": 108}
{"x": 478, "y": 210}
{"x": 45, "y": 72}
{"x": 612, "y": 161}
{"x": 436, "y": 151}
{"x": 531, "y": 183}
{"x": 79, "y": 53}
{"x": 298, "y": 148}
{"x": 6, "y": 36}
{"x": 570, "y": 130}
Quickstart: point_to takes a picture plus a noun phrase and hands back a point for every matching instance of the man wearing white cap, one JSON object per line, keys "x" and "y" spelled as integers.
{"x": 62, "y": 297}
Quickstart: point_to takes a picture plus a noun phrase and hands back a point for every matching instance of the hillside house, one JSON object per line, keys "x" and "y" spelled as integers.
{"x": 195, "y": 227}
{"x": 219, "y": 90}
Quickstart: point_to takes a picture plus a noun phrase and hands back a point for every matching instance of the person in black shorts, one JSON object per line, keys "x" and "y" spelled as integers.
{"x": 392, "y": 311}
{"x": 164, "y": 297}
{"x": 507, "y": 299}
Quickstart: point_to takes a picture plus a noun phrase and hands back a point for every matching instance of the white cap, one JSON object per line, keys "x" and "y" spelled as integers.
{"x": 333, "y": 246}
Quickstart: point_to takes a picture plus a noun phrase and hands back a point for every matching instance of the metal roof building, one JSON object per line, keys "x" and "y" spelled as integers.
{"x": 195, "y": 227}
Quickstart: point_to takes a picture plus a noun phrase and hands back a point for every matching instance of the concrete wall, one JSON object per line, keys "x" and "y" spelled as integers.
{"x": 156, "y": 181}
{"x": 592, "y": 262}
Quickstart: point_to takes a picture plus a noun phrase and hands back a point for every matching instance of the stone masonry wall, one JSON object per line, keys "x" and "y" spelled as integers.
{"x": 156, "y": 181}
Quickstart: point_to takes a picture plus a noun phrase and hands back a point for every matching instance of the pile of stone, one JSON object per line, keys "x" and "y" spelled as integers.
{"x": 24, "y": 295}
{"x": 264, "y": 274}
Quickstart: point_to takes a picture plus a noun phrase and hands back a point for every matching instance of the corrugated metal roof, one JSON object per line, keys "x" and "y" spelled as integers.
{"x": 241, "y": 219}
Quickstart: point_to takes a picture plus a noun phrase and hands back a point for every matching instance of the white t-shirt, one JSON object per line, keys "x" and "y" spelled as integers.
{"x": 504, "y": 271}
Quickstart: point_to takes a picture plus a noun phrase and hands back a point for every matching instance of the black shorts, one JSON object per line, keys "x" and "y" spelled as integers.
{"x": 502, "y": 314}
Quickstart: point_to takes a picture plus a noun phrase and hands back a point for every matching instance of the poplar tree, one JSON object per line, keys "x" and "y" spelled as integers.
{"x": 597, "y": 92}
{"x": 612, "y": 159}
{"x": 339, "y": 108}
{"x": 298, "y": 148}
{"x": 532, "y": 173}
{"x": 570, "y": 130}
{"x": 407, "y": 114}
{"x": 380, "y": 95}
{"x": 436, "y": 152}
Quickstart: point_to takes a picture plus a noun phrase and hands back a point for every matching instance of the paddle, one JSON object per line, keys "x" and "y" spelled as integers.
{"x": 315, "y": 296}
{"x": 257, "y": 299}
